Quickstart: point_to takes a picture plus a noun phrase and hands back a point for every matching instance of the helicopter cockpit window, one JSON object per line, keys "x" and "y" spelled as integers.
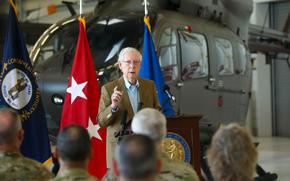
{"x": 243, "y": 58}
{"x": 56, "y": 47}
{"x": 224, "y": 56}
{"x": 167, "y": 55}
{"x": 194, "y": 55}
{"x": 106, "y": 36}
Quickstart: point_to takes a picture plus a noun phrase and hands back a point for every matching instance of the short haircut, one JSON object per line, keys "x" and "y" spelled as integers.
{"x": 73, "y": 143}
{"x": 127, "y": 50}
{"x": 9, "y": 129}
{"x": 151, "y": 123}
{"x": 232, "y": 155}
{"x": 136, "y": 157}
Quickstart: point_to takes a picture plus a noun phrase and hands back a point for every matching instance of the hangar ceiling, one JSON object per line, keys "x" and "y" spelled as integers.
{"x": 46, "y": 11}
{"x": 35, "y": 16}
{"x": 50, "y": 11}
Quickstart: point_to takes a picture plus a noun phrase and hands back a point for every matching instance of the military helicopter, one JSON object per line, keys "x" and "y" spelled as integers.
{"x": 203, "y": 49}
{"x": 201, "y": 46}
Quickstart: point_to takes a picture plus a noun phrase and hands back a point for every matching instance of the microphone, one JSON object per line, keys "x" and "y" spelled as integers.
{"x": 124, "y": 119}
{"x": 119, "y": 134}
{"x": 166, "y": 89}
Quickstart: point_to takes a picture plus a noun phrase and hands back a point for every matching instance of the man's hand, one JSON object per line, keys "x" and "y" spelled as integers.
{"x": 116, "y": 98}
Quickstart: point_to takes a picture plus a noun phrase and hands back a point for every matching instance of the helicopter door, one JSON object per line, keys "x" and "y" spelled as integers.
{"x": 167, "y": 56}
{"x": 226, "y": 83}
{"x": 194, "y": 74}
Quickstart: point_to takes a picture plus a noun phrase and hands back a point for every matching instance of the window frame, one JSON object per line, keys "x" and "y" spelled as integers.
{"x": 232, "y": 71}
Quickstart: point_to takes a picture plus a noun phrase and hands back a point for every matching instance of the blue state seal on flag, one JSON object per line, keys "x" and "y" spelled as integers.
{"x": 18, "y": 91}
{"x": 176, "y": 147}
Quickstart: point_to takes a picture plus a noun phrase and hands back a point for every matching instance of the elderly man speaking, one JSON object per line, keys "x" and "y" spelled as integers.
{"x": 122, "y": 98}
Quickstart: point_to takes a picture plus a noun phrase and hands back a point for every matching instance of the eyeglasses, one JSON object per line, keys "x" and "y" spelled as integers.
{"x": 128, "y": 62}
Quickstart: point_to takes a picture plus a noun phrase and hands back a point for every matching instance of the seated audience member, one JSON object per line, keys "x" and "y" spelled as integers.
{"x": 13, "y": 165}
{"x": 136, "y": 159}
{"x": 152, "y": 123}
{"x": 232, "y": 155}
{"x": 73, "y": 150}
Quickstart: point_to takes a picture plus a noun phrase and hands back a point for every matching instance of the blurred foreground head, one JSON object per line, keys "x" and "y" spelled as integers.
{"x": 11, "y": 133}
{"x": 151, "y": 123}
{"x": 232, "y": 155}
{"x": 73, "y": 144}
{"x": 136, "y": 159}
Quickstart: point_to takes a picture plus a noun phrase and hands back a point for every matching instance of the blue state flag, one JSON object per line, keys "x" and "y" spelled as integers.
{"x": 150, "y": 69}
{"x": 20, "y": 92}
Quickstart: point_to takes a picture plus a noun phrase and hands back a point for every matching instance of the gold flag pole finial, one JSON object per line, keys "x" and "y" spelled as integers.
{"x": 147, "y": 22}
{"x": 82, "y": 19}
{"x": 146, "y": 17}
{"x": 14, "y": 7}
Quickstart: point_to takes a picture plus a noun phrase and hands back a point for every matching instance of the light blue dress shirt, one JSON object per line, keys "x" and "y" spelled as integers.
{"x": 133, "y": 92}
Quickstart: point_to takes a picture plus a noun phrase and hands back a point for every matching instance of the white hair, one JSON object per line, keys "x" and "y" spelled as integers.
{"x": 126, "y": 50}
{"x": 151, "y": 123}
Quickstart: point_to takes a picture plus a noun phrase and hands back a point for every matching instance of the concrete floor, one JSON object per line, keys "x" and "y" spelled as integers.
{"x": 274, "y": 156}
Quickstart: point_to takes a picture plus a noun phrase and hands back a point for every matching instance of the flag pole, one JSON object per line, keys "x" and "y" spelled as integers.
{"x": 146, "y": 17}
{"x": 81, "y": 19}
{"x": 145, "y": 8}
{"x": 81, "y": 8}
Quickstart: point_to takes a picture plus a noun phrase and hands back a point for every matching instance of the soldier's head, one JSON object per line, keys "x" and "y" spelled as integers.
{"x": 130, "y": 62}
{"x": 151, "y": 123}
{"x": 232, "y": 155}
{"x": 73, "y": 145}
{"x": 136, "y": 159}
{"x": 11, "y": 133}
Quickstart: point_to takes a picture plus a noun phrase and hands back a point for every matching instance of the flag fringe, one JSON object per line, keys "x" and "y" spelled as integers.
{"x": 83, "y": 21}
{"x": 48, "y": 162}
{"x": 14, "y": 7}
{"x": 147, "y": 22}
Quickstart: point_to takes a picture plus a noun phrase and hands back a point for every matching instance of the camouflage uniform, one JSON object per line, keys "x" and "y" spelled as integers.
{"x": 109, "y": 176}
{"x": 15, "y": 167}
{"x": 170, "y": 170}
{"x": 176, "y": 170}
{"x": 77, "y": 174}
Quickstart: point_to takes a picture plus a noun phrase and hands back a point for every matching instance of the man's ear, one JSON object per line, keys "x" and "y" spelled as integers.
{"x": 119, "y": 65}
{"x": 56, "y": 153}
{"x": 158, "y": 166}
{"x": 115, "y": 168}
{"x": 20, "y": 135}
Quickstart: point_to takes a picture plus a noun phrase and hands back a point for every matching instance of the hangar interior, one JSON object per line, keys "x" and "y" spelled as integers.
{"x": 268, "y": 116}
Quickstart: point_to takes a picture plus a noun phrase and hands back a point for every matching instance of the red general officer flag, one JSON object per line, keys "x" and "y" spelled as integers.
{"x": 82, "y": 102}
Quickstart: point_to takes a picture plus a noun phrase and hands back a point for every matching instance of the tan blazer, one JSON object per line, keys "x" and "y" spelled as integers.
{"x": 106, "y": 118}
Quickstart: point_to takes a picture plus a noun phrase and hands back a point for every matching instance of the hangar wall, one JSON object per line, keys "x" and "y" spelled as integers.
{"x": 259, "y": 119}
{"x": 269, "y": 113}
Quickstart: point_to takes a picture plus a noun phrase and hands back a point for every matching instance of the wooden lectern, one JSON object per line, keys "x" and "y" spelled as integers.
{"x": 187, "y": 126}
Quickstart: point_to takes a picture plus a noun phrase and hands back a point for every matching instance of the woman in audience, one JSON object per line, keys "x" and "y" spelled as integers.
{"x": 232, "y": 155}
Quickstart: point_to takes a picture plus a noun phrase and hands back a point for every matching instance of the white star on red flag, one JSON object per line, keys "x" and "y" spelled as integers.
{"x": 76, "y": 90}
{"x": 93, "y": 130}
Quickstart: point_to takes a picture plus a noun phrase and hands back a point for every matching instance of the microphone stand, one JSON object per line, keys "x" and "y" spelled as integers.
{"x": 163, "y": 104}
{"x": 125, "y": 128}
